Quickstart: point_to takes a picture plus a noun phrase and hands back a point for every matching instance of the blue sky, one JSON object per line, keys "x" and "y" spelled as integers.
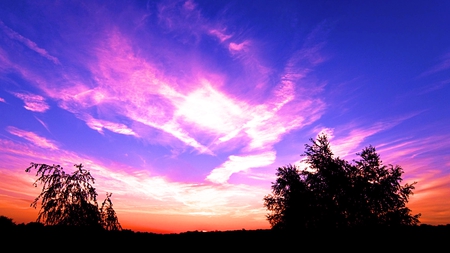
{"x": 184, "y": 109}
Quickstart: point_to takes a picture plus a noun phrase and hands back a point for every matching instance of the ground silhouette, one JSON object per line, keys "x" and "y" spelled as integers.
{"x": 36, "y": 236}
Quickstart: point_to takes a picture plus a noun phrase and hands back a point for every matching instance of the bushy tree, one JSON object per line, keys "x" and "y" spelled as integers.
{"x": 70, "y": 199}
{"x": 334, "y": 193}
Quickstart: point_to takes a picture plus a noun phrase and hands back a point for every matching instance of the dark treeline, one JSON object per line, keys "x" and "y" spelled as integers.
{"x": 36, "y": 236}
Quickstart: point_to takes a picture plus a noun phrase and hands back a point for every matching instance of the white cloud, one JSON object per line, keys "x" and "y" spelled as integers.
{"x": 212, "y": 110}
{"x": 237, "y": 164}
{"x": 99, "y": 125}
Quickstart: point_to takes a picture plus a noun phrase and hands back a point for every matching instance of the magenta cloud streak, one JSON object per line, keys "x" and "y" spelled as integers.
{"x": 33, "y": 138}
{"x": 28, "y": 43}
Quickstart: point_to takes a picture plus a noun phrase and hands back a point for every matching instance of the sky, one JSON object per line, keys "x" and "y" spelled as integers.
{"x": 185, "y": 109}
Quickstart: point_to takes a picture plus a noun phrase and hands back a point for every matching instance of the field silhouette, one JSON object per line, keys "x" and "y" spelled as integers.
{"x": 36, "y": 236}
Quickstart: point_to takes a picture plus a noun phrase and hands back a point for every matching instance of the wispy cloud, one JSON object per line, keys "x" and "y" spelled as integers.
{"x": 33, "y": 138}
{"x": 432, "y": 87}
{"x": 30, "y": 44}
{"x": 220, "y": 34}
{"x": 33, "y": 102}
{"x": 237, "y": 164}
{"x": 201, "y": 113}
{"x": 347, "y": 140}
{"x": 238, "y": 47}
{"x": 2, "y": 100}
{"x": 443, "y": 65}
{"x": 42, "y": 123}
{"x": 99, "y": 125}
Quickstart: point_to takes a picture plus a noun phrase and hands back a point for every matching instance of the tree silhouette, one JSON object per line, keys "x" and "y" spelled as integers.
{"x": 6, "y": 222}
{"x": 108, "y": 215}
{"x": 70, "y": 199}
{"x": 334, "y": 193}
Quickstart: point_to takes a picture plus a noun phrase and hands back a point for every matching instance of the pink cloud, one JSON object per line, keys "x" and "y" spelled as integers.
{"x": 33, "y": 102}
{"x": 219, "y": 34}
{"x": 238, "y": 47}
{"x": 349, "y": 145}
{"x": 237, "y": 164}
{"x": 33, "y": 138}
{"x": 99, "y": 125}
{"x": 412, "y": 153}
{"x": 346, "y": 145}
{"x": 30, "y": 44}
{"x": 170, "y": 110}
{"x": 199, "y": 113}
{"x": 2, "y": 100}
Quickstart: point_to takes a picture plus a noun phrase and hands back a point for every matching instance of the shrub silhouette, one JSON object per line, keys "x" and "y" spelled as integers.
{"x": 333, "y": 193}
{"x": 70, "y": 199}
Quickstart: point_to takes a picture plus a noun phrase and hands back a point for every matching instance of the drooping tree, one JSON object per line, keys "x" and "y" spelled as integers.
{"x": 334, "y": 193}
{"x": 70, "y": 199}
{"x": 108, "y": 215}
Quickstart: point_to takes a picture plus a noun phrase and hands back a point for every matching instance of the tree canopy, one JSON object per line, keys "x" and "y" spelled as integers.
{"x": 70, "y": 199}
{"x": 334, "y": 193}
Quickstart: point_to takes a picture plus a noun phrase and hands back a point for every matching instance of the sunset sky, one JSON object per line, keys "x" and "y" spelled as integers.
{"x": 184, "y": 109}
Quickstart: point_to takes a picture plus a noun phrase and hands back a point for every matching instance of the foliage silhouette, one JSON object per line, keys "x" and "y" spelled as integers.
{"x": 70, "y": 199}
{"x": 6, "y": 222}
{"x": 333, "y": 193}
{"x": 108, "y": 215}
